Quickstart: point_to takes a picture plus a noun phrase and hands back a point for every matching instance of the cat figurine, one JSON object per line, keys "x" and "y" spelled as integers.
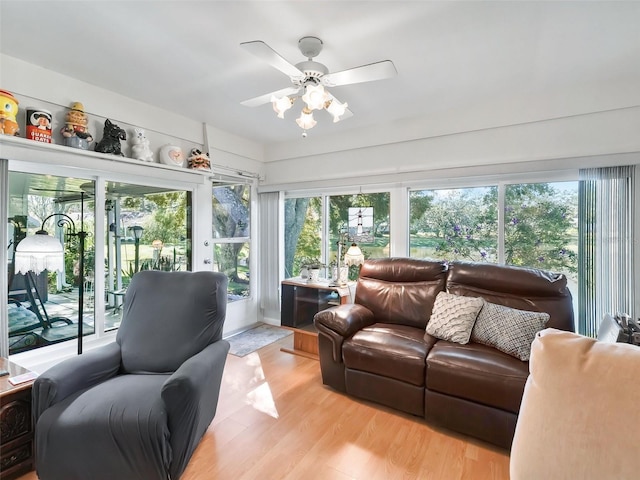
{"x": 140, "y": 149}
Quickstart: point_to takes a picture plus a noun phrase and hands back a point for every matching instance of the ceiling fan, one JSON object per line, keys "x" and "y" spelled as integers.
{"x": 309, "y": 79}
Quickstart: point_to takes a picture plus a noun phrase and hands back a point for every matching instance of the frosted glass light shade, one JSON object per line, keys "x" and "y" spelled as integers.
{"x": 281, "y": 105}
{"x": 315, "y": 97}
{"x": 336, "y": 109}
{"x": 306, "y": 120}
{"x": 354, "y": 256}
{"x": 39, "y": 252}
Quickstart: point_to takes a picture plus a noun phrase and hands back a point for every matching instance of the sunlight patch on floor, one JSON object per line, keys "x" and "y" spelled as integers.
{"x": 262, "y": 400}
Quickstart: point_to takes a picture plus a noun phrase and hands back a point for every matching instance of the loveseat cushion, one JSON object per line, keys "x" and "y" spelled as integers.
{"x": 401, "y": 290}
{"x": 394, "y": 351}
{"x": 477, "y": 373}
{"x": 516, "y": 287}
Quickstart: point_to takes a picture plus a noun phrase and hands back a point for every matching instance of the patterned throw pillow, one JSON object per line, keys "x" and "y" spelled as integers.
{"x": 453, "y": 317}
{"x": 509, "y": 330}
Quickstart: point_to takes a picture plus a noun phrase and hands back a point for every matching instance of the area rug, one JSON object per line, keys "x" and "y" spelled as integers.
{"x": 251, "y": 340}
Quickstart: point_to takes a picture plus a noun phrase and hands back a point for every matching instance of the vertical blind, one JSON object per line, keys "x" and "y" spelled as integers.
{"x": 605, "y": 244}
{"x": 269, "y": 207}
{"x": 4, "y": 288}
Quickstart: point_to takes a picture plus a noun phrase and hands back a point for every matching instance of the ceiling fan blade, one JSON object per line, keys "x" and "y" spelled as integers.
{"x": 365, "y": 73}
{"x": 269, "y": 55}
{"x": 266, "y": 98}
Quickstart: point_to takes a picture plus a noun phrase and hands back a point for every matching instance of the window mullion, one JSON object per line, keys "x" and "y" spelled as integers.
{"x": 501, "y": 203}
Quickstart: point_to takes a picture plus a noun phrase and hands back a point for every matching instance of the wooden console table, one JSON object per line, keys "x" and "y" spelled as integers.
{"x": 16, "y": 427}
{"x": 300, "y": 302}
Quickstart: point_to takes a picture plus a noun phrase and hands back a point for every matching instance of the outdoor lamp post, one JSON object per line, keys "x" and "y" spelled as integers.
{"x": 137, "y": 235}
{"x": 39, "y": 252}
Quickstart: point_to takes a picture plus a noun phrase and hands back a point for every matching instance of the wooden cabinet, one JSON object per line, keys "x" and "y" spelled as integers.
{"x": 16, "y": 426}
{"x": 300, "y": 301}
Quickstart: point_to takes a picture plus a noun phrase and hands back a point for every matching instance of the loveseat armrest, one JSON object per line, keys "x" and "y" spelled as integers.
{"x": 73, "y": 375}
{"x": 342, "y": 322}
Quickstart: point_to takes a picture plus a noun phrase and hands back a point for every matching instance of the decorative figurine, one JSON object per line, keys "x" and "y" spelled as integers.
{"x": 8, "y": 112}
{"x": 140, "y": 149}
{"x": 75, "y": 131}
{"x": 199, "y": 160}
{"x": 172, "y": 155}
{"x": 110, "y": 142}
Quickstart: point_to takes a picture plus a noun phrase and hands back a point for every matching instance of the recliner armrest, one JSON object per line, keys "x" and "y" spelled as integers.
{"x": 341, "y": 322}
{"x": 73, "y": 375}
{"x": 190, "y": 395}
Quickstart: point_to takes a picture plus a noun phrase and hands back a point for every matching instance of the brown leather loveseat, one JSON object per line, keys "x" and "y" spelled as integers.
{"x": 377, "y": 348}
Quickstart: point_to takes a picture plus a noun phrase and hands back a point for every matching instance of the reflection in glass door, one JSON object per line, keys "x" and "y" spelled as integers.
{"x": 43, "y": 306}
{"x": 147, "y": 228}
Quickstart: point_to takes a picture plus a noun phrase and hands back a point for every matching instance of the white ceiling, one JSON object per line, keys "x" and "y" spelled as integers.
{"x": 184, "y": 56}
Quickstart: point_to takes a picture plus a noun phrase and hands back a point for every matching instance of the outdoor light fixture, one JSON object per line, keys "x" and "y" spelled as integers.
{"x": 40, "y": 252}
{"x": 137, "y": 235}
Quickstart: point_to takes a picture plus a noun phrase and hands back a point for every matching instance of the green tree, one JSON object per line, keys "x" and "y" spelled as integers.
{"x": 302, "y": 227}
{"x": 540, "y": 227}
{"x": 231, "y": 220}
{"x": 462, "y": 224}
{"x": 169, "y": 217}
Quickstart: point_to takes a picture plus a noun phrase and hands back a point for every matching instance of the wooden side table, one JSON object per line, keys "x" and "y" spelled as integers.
{"x": 16, "y": 425}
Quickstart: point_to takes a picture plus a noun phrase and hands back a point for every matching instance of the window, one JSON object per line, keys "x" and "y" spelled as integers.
{"x": 454, "y": 224}
{"x": 303, "y": 233}
{"x": 354, "y": 218}
{"x": 362, "y": 219}
{"x": 43, "y": 308}
{"x": 231, "y": 236}
{"x": 539, "y": 225}
{"x": 147, "y": 228}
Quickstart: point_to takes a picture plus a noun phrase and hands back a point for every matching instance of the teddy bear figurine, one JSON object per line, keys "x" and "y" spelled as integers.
{"x": 140, "y": 148}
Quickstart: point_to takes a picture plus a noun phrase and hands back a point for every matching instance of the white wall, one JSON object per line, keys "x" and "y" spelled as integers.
{"x": 231, "y": 156}
{"x": 587, "y": 135}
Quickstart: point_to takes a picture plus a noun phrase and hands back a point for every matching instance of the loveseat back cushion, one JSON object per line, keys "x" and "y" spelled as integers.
{"x": 522, "y": 288}
{"x": 389, "y": 350}
{"x": 400, "y": 290}
{"x": 477, "y": 373}
{"x": 168, "y": 317}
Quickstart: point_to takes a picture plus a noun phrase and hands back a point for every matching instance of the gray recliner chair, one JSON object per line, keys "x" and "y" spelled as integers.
{"x": 137, "y": 408}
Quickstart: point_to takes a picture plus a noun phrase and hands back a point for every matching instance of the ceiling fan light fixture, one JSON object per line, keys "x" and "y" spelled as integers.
{"x": 336, "y": 109}
{"x": 315, "y": 96}
{"x": 281, "y": 105}
{"x": 306, "y": 120}
{"x": 310, "y": 79}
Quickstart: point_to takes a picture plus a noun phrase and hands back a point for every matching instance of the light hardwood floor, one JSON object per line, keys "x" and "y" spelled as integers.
{"x": 276, "y": 420}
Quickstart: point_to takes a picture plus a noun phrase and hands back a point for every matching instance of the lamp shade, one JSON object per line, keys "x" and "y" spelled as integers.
{"x": 315, "y": 97}
{"x": 306, "y": 120}
{"x": 39, "y": 252}
{"x": 336, "y": 109}
{"x": 354, "y": 256}
{"x": 281, "y": 105}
